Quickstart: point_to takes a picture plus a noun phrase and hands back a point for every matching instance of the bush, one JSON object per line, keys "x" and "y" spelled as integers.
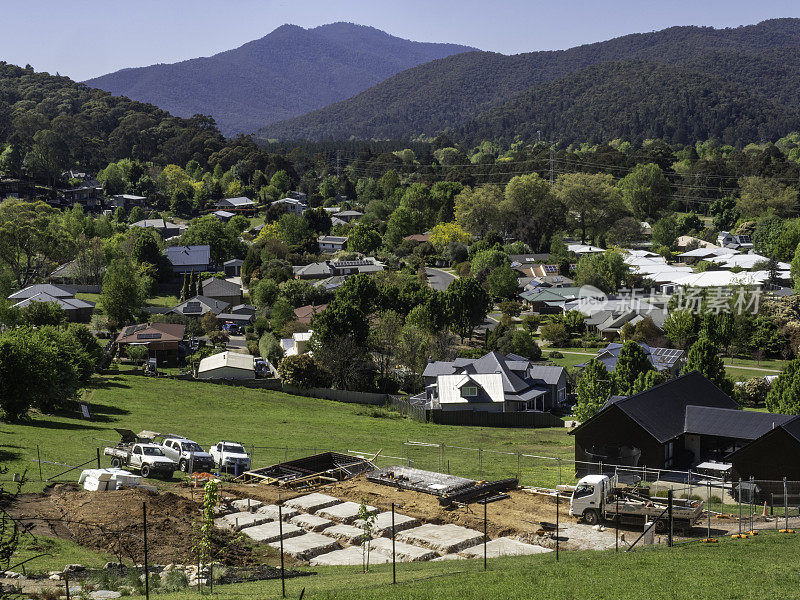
{"x": 555, "y": 333}
{"x": 270, "y": 349}
{"x": 556, "y": 354}
{"x": 138, "y": 354}
{"x": 303, "y": 371}
{"x": 261, "y": 326}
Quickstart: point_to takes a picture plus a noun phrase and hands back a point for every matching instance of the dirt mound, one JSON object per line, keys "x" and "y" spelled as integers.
{"x": 112, "y": 522}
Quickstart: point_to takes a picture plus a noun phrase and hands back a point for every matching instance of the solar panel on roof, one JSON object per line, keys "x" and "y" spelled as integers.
{"x": 551, "y": 269}
{"x": 148, "y": 336}
{"x": 192, "y": 307}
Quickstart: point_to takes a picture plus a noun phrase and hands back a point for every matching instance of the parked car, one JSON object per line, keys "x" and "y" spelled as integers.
{"x": 230, "y": 456}
{"x": 137, "y": 453}
{"x": 191, "y": 458}
{"x": 232, "y": 328}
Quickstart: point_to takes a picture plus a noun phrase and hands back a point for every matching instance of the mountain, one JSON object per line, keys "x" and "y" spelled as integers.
{"x": 286, "y": 73}
{"x": 452, "y": 92}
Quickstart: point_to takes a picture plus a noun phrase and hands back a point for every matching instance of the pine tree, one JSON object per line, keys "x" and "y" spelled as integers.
{"x": 594, "y": 388}
{"x": 192, "y": 285}
{"x": 647, "y": 380}
{"x": 703, "y": 357}
{"x": 631, "y": 363}
{"x": 185, "y": 289}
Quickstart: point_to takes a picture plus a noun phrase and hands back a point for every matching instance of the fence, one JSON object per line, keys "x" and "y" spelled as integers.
{"x": 480, "y": 418}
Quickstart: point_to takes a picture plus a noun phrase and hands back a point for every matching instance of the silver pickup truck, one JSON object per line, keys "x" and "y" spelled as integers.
{"x": 137, "y": 453}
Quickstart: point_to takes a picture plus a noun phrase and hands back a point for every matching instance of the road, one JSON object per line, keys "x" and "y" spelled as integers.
{"x": 758, "y": 369}
{"x": 438, "y": 279}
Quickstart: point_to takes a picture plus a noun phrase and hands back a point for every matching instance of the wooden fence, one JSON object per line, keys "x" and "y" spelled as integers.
{"x": 404, "y": 407}
{"x": 338, "y": 395}
{"x": 478, "y": 418}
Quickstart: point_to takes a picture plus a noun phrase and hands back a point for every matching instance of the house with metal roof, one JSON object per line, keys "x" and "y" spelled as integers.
{"x": 292, "y": 205}
{"x": 221, "y": 290}
{"x": 167, "y": 229}
{"x": 75, "y": 309}
{"x": 675, "y": 425}
{"x": 200, "y": 305}
{"x": 237, "y": 205}
{"x": 189, "y": 259}
{"x": 525, "y": 386}
{"x": 227, "y": 365}
{"x": 345, "y": 268}
{"x": 223, "y": 215}
{"x": 330, "y": 244}
{"x": 669, "y": 361}
{"x": 54, "y": 291}
{"x": 162, "y": 340}
{"x": 233, "y": 267}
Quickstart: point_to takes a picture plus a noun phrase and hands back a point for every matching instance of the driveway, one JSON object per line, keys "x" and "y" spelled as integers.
{"x": 438, "y": 279}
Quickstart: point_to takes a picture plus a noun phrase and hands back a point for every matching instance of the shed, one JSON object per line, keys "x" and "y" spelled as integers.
{"x": 227, "y": 365}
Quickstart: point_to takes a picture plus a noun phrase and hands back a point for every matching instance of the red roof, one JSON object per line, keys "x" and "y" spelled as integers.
{"x": 304, "y": 313}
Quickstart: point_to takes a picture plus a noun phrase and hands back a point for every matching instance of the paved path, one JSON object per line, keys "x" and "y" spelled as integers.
{"x": 438, "y": 279}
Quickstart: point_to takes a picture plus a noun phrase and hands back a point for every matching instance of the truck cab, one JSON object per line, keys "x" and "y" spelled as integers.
{"x": 188, "y": 454}
{"x": 590, "y": 495}
{"x": 230, "y": 456}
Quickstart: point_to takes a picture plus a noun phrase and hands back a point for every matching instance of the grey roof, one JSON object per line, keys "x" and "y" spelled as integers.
{"x": 237, "y": 318}
{"x": 239, "y": 202}
{"x": 223, "y": 214}
{"x": 661, "y": 410}
{"x": 213, "y": 286}
{"x": 234, "y": 262}
{"x": 200, "y": 305}
{"x": 549, "y": 375}
{"x": 731, "y": 423}
{"x": 244, "y": 309}
{"x": 662, "y": 359}
{"x": 65, "y": 303}
{"x": 41, "y": 288}
{"x": 182, "y": 256}
{"x": 527, "y": 259}
{"x": 349, "y": 213}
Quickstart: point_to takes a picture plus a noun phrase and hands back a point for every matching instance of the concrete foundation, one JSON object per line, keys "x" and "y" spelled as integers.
{"x": 311, "y": 503}
{"x": 503, "y": 546}
{"x": 271, "y": 512}
{"x": 239, "y": 520}
{"x": 352, "y": 556}
{"x": 345, "y": 533}
{"x": 344, "y": 512}
{"x": 271, "y": 532}
{"x": 311, "y": 522}
{"x": 403, "y": 552}
{"x": 445, "y": 539}
{"x": 382, "y": 527}
{"x": 246, "y": 504}
{"x": 448, "y": 557}
{"x": 307, "y": 546}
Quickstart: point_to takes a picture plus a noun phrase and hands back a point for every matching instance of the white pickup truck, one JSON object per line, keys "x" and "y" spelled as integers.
{"x": 135, "y": 452}
{"x": 191, "y": 458}
{"x": 230, "y": 456}
{"x": 597, "y": 498}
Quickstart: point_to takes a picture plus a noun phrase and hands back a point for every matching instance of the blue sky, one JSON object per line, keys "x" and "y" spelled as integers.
{"x": 86, "y": 38}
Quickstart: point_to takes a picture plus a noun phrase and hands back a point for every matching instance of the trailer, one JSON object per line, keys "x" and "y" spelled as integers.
{"x": 599, "y": 498}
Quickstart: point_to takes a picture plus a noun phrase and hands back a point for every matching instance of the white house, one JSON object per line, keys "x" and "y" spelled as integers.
{"x": 227, "y": 365}
{"x": 297, "y": 344}
{"x": 292, "y": 205}
{"x": 330, "y": 244}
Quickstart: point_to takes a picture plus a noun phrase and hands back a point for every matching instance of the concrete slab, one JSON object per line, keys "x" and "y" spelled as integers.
{"x": 503, "y": 546}
{"x": 311, "y": 522}
{"x": 311, "y": 503}
{"x": 307, "y": 546}
{"x": 344, "y": 512}
{"x": 246, "y": 504}
{"x": 403, "y": 552}
{"x": 382, "y": 527}
{"x": 448, "y": 557}
{"x": 350, "y": 556}
{"x": 271, "y": 532}
{"x": 348, "y": 534}
{"x": 271, "y": 512}
{"x": 445, "y": 539}
{"x": 239, "y": 520}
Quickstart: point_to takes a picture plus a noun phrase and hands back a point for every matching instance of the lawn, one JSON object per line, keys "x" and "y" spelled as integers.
{"x": 280, "y": 427}
{"x": 166, "y": 301}
{"x": 758, "y": 567}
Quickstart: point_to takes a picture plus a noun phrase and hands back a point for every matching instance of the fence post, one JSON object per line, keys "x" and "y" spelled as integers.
{"x": 669, "y": 508}
{"x": 557, "y": 507}
{"x": 66, "y": 583}
{"x": 394, "y": 563}
{"x": 752, "y": 494}
{"x": 280, "y": 534}
{"x": 480, "y": 462}
{"x": 485, "y": 534}
{"x": 519, "y": 458}
{"x": 708, "y": 508}
{"x": 785, "y": 503}
{"x": 739, "y": 496}
{"x": 39, "y": 462}
{"x": 616, "y": 527}
{"x": 98, "y": 457}
{"x": 146, "y": 574}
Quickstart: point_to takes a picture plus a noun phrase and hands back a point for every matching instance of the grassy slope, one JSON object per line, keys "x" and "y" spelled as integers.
{"x": 291, "y": 426}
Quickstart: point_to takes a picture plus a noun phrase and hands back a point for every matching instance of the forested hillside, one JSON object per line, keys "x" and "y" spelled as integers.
{"x": 286, "y": 73}
{"x": 53, "y": 123}
{"x": 451, "y": 92}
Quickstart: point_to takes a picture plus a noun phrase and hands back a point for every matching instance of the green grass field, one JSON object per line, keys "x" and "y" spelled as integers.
{"x": 280, "y": 426}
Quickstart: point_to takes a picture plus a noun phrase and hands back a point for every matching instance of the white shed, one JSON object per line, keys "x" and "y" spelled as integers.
{"x": 227, "y": 365}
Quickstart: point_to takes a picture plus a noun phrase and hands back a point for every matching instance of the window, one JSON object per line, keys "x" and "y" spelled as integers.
{"x": 469, "y": 391}
{"x": 137, "y": 450}
{"x": 585, "y": 489}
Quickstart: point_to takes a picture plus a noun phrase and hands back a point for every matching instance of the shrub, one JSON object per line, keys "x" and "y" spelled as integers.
{"x": 303, "y": 371}
{"x": 556, "y": 354}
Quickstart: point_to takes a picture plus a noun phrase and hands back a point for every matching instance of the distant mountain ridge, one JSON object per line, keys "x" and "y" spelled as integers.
{"x": 286, "y": 73}
{"x": 482, "y": 94}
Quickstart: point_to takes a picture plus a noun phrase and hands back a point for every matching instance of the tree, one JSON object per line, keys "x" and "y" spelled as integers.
{"x": 760, "y": 195}
{"x": 631, "y": 364}
{"x": 223, "y": 242}
{"x": 530, "y": 210}
{"x": 444, "y": 234}
{"x": 383, "y": 340}
{"x": 467, "y": 305}
{"x": 626, "y": 231}
{"x": 485, "y": 261}
{"x": 413, "y": 350}
{"x": 265, "y": 292}
{"x": 281, "y": 181}
{"x": 210, "y": 322}
{"x": 478, "y": 210}
{"x": 363, "y": 238}
{"x": 753, "y": 392}
{"x": 593, "y": 390}
{"x": 270, "y": 348}
{"x": 593, "y": 201}
{"x": 303, "y": 371}
{"x": 502, "y": 282}
{"x": 795, "y": 266}
{"x": 122, "y": 296}
{"x": 605, "y": 271}
{"x": 555, "y": 333}
{"x": 784, "y": 395}
{"x": 145, "y": 248}
{"x": 37, "y": 314}
{"x": 703, "y": 357}
{"x": 28, "y": 238}
{"x": 647, "y": 380}
{"x": 681, "y": 327}
{"x": 645, "y": 191}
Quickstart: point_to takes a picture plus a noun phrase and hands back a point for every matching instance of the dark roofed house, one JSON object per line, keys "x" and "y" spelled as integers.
{"x": 669, "y": 361}
{"x": 54, "y": 291}
{"x": 348, "y": 216}
{"x": 189, "y": 259}
{"x": 233, "y": 267}
{"x": 167, "y": 229}
{"x": 75, "y": 309}
{"x": 675, "y": 425}
{"x": 523, "y": 385}
{"x": 243, "y": 309}
{"x": 200, "y": 305}
{"x": 222, "y": 290}
{"x": 772, "y": 456}
{"x": 328, "y": 244}
{"x": 237, "y": 205}
{"x": 161, "y": 339}
{"x": 304, "y": 313}
{"x": 345, "y": 268}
